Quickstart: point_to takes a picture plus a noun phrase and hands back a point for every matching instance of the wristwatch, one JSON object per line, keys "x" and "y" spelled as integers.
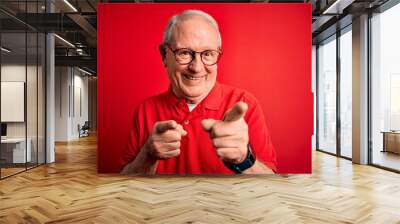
{"x": 247, "y": 163}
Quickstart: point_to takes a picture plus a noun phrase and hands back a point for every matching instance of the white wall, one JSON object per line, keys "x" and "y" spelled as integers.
{"x": 62, "y": 81}
{"x": 16, "y": 73}
{"x": 80, "y": 84}
{"x": 33, "y": 127}
{"x": 70, "y": 94}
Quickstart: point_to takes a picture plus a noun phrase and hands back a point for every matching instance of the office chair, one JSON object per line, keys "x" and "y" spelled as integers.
{"x": 84, "y": 130}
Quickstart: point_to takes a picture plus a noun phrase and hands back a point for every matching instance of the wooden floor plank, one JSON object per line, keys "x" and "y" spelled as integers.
{"x": 71, "y": 191}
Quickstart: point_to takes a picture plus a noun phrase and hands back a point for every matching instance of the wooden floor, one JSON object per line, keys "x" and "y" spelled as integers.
{"x": 5, "y": 172}
{"x": 387, "y": 159}
{"x": 70, "y": 191}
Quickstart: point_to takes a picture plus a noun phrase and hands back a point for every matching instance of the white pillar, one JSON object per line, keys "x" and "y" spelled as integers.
{"x": 360, "y": 89}
{"x": 50, "y": 92}
{"x": 50, "y": 99}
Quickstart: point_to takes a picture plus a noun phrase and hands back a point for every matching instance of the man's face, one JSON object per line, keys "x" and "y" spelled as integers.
{"x": 195, "y": 80}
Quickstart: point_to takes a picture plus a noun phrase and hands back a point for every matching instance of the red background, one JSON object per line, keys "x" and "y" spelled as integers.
{"x": 267, "y": 51}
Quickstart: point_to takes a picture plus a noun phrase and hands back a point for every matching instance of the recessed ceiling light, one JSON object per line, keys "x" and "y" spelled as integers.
{"x": 64, "y": 40}
{"x": 5, "y": 50}
{"x": 337, "y": 7}
{"x": 70, "y": 5}
{"x": 84, "y": 71}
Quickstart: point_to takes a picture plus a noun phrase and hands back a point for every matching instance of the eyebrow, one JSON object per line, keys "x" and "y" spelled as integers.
{"x": 203, "y": 49}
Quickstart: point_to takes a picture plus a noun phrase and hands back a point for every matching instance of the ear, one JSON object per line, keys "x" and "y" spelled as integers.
{"x": 163, "y": 53}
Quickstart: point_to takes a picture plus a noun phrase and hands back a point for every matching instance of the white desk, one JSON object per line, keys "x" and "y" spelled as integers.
{"x": 17, "y": 147}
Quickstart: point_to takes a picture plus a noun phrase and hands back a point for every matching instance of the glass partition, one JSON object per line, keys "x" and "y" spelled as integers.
{"x": 14, "y": 153}
{"x": 22, "y": 89}
{"x": 346, "y": 93}
{"x": 385, "y": 89}
{"x": 327, "y": 95}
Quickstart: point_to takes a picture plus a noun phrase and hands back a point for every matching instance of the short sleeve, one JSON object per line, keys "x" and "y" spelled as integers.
{"x": 134, "y": 140}
{"x": 259, "y": 136}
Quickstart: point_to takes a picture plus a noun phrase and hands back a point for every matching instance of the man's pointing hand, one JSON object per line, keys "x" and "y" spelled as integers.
{"x": 230, "y": 135}
{"x": 164, "y": 141}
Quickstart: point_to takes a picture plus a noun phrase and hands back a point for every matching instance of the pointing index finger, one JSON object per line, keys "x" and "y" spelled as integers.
{"x": 236, "y": 112}
{"x": 166, "y": 125}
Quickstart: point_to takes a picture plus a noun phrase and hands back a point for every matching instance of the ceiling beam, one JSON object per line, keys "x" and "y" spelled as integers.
{"x": 83, "y": 61}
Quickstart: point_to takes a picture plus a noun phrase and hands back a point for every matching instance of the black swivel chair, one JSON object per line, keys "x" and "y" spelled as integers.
{"x": 84, "y": 130}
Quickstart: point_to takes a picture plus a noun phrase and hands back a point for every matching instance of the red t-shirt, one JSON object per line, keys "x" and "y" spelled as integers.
{"x": 198, "y": 156}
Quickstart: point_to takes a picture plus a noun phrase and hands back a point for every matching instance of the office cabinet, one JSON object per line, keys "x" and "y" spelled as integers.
{"x": 391, "y": 142}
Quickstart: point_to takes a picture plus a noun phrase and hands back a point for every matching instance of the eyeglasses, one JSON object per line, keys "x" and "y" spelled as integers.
{"x": 185, "y": 56}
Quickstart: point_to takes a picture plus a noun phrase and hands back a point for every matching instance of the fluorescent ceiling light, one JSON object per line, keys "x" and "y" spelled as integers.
{"x": 5, "y": 50}
{"x": 65, "y": 41}
{"x": 338, "y": 6}
{"x": 70, "y": 5}
{"x": 84, "y": 71}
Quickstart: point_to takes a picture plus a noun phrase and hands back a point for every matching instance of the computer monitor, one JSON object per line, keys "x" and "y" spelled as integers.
{"x": 3, "y": 129}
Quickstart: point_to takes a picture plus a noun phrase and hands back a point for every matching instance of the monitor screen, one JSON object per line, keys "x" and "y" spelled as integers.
{"x": 3, "y": 129}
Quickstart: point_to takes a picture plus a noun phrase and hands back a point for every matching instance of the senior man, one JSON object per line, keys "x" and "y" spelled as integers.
{"x": 198, "y": 126}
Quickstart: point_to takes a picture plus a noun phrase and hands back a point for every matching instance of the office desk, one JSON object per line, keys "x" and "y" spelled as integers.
{"x": 391, "y": 141}
{"x": 13, "y": 150}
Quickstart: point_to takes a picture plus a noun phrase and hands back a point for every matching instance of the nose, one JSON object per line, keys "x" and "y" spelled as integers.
{"x": 196, "y": 65}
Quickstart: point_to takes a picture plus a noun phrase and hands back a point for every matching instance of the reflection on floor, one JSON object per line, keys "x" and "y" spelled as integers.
{"x": 387, "y": 159}
{"x": 71, "y": 191}
{"x": 10, "y": 169}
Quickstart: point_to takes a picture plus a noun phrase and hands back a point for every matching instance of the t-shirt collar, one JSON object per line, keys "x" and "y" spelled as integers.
{"x": 212, "y": 100}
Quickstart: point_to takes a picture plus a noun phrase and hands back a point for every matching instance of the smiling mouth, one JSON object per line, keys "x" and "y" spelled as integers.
{"x": 193, "y": 77}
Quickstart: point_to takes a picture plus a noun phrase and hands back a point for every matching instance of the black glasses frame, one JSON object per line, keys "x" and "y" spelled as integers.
{"x": 193, "y": 54}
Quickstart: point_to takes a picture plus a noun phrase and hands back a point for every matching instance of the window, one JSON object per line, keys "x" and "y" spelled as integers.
{"x": 346, "y": 93}
{"x": 385, "y": 88}
{"x": 22, "y": 92}
{"x": 327, "y": 95}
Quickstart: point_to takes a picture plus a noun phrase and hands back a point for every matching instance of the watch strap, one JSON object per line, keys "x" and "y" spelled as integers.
{"x": 245, "y": 164}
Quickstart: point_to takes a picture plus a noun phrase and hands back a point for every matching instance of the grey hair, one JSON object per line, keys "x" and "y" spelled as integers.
{"x": 184, "y": 16}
